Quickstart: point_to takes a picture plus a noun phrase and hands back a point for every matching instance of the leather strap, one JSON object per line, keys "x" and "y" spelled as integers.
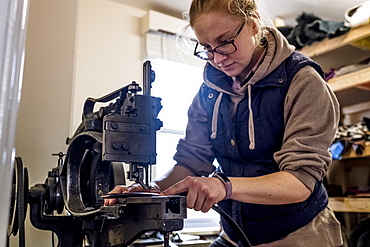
{"x": 226, "y": 181}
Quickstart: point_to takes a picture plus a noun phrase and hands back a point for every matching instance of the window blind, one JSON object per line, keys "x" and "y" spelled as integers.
{"x": 166, "y": 46}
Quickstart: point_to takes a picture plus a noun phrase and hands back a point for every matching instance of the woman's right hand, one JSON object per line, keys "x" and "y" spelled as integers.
{"x": 125, "y": 189}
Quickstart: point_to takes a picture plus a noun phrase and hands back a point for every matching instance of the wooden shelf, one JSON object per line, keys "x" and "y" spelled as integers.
{"x": 360, "y": 78}
{"x": 349, "y": 204}
{"x": 351, "y": 154}
{"x": 327, "y": 45}
{"x": 360, "y": 204}
{"x": 350, "y": 48}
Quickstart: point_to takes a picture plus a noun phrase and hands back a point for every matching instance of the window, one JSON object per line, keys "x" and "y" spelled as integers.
{"x": 177, "y": 83}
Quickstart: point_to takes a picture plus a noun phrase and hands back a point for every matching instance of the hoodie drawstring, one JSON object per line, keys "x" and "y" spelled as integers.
{"x": 252, "y": 140}
{"x": 215, "y": 116}
{"x": 250, "y": 120}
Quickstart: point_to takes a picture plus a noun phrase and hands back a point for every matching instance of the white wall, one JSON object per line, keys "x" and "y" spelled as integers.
{"x": 47, "y": 85}
{"x": 74, "y": 50}
{"x": 44, "y": 115}
{"x": 109, "y": 50}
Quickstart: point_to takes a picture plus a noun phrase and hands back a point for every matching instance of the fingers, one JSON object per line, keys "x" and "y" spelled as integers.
{"x": 176, "y": 189}
{"x": 125, "y": 189}
{"x": 117, "y": 189}
{"x": 202, "y": 193}
{"x": 122, "y": 189}
{"x": 197, "y": 201}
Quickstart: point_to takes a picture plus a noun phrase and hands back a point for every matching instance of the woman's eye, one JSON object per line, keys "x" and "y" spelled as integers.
{"x": 224, "y": 42}
{"x": 207, "y": 48}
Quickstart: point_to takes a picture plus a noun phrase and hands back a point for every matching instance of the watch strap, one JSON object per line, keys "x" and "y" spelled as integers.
{"x": 226, "y": 181}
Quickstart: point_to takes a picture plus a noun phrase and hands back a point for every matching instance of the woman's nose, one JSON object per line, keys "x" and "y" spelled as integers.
{"x": 218, "y": 58}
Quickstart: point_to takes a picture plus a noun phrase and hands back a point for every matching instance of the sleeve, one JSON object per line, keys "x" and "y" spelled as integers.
{"x": 311, "y": 119}
{"x": 195, "y": 152}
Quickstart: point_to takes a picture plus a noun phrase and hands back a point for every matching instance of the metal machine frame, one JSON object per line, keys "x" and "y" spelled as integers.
{"x": 123, "y": 131}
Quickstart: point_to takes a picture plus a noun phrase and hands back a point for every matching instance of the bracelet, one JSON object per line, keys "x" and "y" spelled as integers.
{"x": 226, "y": 181}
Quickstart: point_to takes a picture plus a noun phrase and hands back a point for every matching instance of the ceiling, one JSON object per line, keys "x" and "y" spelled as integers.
{"x": 332, "y": 10}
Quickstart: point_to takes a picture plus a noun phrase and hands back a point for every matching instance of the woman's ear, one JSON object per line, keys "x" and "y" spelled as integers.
{"x": 255, "y": 28}
{"x": 255, "y": 20}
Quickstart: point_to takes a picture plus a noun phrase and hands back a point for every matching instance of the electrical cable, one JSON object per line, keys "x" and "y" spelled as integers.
{"x": 239, "y": 232}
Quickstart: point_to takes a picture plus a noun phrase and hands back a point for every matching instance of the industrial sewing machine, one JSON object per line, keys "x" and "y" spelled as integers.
{"x": 70, "y": 202}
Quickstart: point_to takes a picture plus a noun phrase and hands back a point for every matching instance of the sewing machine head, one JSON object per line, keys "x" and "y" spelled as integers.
{"x": 124, "y": 131}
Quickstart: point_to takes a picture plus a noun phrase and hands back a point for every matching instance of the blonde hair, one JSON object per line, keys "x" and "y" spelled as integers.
{"x": 244, "y": 9}
{"x": 248, "y": 10}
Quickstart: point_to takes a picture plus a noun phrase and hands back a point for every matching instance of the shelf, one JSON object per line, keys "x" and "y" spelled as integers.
{"x": 352, "y": 88}
{"x": 351, "y": 154}
{"x": 360, "y": 79}
{"x": 352, "y": 47}
{"x": 349, "y": 204}
{"x": 327, "y": 45}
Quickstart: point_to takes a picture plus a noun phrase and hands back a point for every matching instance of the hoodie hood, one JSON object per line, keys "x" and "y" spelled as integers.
{"x": 277, "y": 50}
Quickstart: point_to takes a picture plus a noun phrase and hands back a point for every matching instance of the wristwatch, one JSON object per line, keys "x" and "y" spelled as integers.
{"x": 226, "y": 181}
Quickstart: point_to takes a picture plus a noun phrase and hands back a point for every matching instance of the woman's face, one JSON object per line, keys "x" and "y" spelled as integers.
{"x": 215, "y": 28}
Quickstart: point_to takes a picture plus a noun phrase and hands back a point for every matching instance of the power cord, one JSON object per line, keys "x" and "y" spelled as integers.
{"x": 239, "y": 232}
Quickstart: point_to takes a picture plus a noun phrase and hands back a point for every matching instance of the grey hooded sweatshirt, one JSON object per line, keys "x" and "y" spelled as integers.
{"x": 311, "y": 117}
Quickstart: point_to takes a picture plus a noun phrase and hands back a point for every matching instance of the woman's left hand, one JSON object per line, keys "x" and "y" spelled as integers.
{"x": 202, "y": 192}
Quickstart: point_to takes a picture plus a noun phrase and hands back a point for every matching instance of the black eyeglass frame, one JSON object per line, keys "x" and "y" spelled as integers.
{"x": 231, "y": 41}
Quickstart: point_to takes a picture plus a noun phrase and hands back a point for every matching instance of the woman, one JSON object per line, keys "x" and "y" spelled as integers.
{"x": 266, "y": 114}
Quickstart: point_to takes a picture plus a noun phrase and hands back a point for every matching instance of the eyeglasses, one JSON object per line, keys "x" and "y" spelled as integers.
{"x": 223, "y": 49}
